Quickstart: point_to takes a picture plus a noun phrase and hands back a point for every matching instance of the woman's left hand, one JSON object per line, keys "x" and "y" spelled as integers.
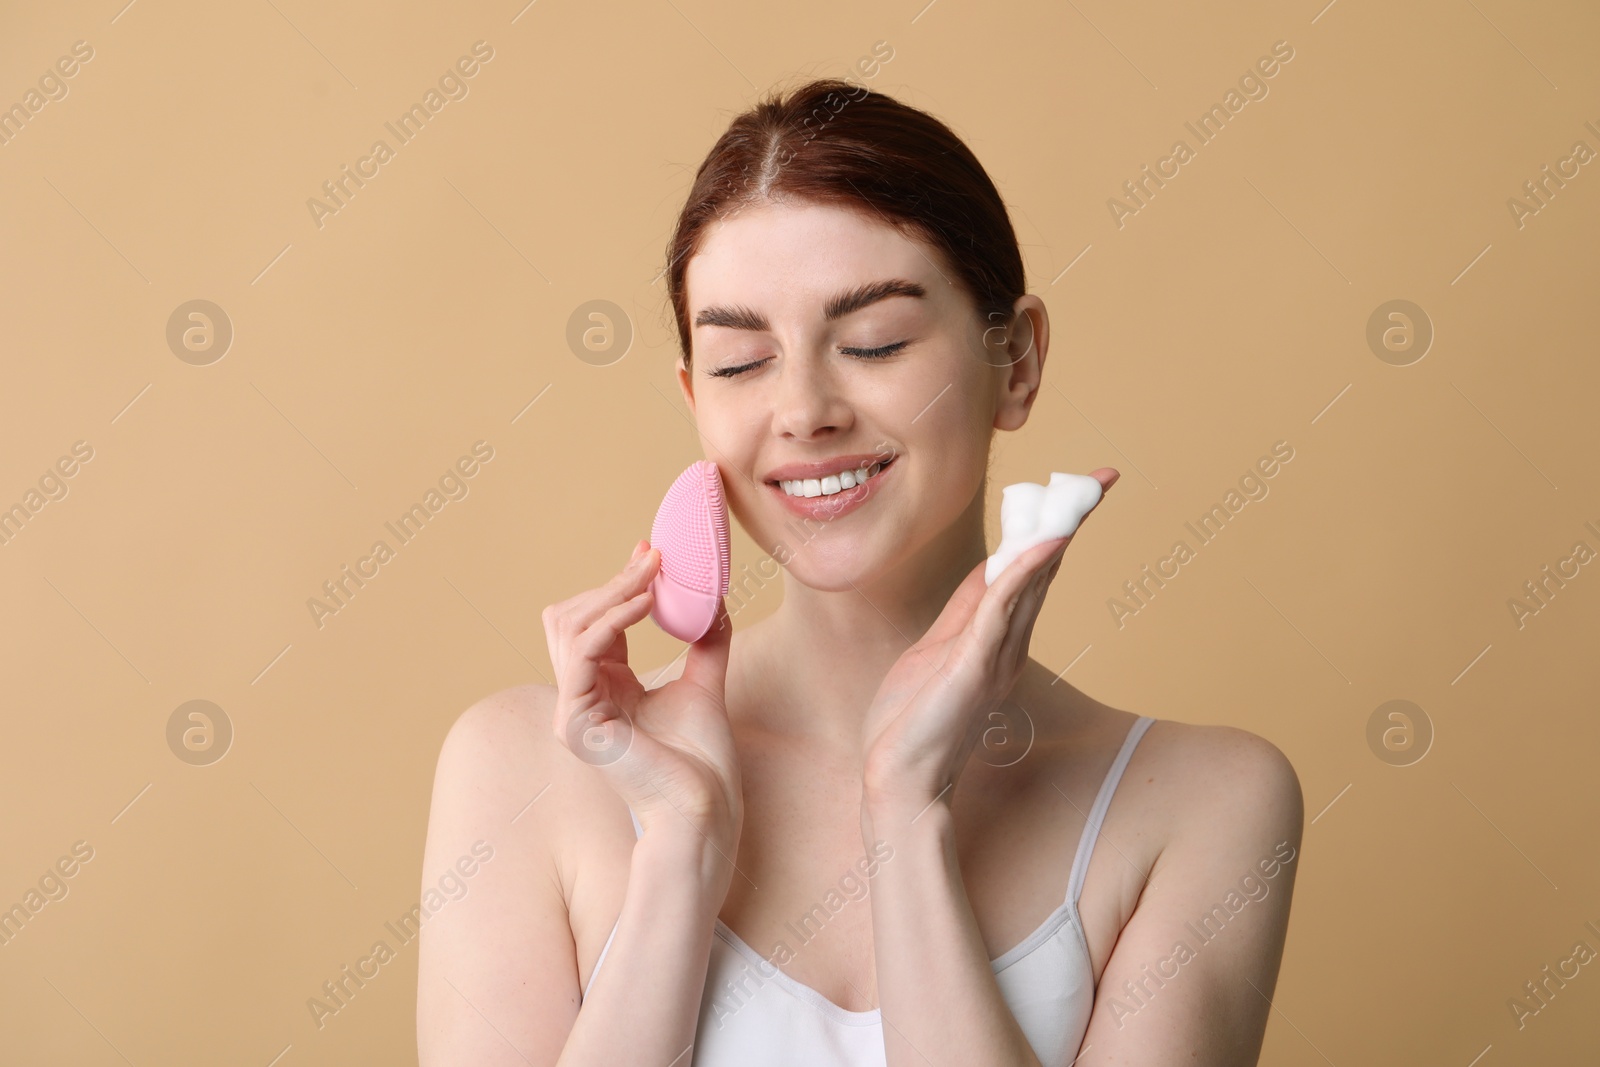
{"x": 935, "y": 701}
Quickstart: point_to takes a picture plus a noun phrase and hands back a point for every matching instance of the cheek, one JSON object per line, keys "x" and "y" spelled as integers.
{"x": 953, "y": 416}
{"x": 949, "y": 446}
{"x": 729, "y": 438}
{"x": 728, "y": 430}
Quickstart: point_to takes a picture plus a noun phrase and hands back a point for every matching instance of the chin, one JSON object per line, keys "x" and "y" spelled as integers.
{"x": 825, "y": 570}
{"x": 841, "y": 566}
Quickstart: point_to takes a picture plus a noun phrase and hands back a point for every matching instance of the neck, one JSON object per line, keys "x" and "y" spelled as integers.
{"x": 825, "y": 653}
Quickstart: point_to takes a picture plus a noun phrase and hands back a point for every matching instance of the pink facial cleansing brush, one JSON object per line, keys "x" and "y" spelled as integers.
{"x": 691, "y": 531}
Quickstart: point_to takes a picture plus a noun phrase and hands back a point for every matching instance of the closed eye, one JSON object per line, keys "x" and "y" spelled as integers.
{"x": 859, "y": 353}
{"x": 875, "y": 353}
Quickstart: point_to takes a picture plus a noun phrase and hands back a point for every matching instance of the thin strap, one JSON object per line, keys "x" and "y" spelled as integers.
{"x": 637, "y": 832}
{"x": 1097, "y": 814}
{"x": 599, "y": 960}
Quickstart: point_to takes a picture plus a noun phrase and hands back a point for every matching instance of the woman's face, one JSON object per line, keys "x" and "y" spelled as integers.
{"x": 822, "y": 336}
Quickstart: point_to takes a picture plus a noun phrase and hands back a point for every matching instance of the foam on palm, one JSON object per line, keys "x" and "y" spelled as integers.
{"x": 1031, "y": 514}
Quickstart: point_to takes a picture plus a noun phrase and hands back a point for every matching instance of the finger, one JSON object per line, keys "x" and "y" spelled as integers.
{"x": 1019, "y": 636}
{"x": 1029, "y": 570}
{"x": 1025, "y": 613}
{"x": 1034, "y": 597}
{"x": 1106, "y": 476}
{"x": 578, "y": 682}
{"x": 626, "y": 583}
{"x": 582, "y": 668}
{"x": 966, "y": 601}
{"x": 707, "y": 663}
{"x": 1024, "y": 566}
{"x": 1003, "y": 601}
{"x": 571, "y": 617}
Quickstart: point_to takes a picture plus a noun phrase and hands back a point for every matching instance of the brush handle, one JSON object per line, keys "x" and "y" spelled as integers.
{"x": 686, "y": 614}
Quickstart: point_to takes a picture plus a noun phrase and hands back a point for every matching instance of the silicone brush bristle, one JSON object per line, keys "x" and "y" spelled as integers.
{"x": 719, "y": 529}
{"x": 691, "y": 531}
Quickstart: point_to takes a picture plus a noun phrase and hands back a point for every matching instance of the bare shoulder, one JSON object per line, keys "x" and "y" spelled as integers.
{"x": 495, "y": 758}
{"x": 1180, "y": 775}
{"x": 501, "y": 766}
{"x": 1202, "y": 771}
{"x": 510, "y": 716}
{"x": 493, "y": 918}
{"x": 1194, "y": 967}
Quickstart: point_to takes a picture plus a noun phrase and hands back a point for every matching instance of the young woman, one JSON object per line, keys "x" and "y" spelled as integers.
{"x": 799, "y": 844}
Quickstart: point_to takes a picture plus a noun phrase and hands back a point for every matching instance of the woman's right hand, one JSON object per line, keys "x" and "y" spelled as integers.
{"x": 668, "y": 752}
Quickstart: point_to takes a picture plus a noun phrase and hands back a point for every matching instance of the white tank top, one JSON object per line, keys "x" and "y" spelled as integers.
{"x": 752, "y": 1014}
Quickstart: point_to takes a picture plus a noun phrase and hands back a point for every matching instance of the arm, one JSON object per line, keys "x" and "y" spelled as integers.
{"x": 936, "y": 985}
{"x": 1192, "y": 971}
{"x": 498, "y": 974}
{"x": 936, "y": 988}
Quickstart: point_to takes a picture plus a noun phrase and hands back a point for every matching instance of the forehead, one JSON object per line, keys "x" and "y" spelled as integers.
{"x": 802, "y": 254}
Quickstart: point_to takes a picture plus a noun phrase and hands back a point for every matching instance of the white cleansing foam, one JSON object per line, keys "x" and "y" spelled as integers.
{"x": 1031, "y": 514}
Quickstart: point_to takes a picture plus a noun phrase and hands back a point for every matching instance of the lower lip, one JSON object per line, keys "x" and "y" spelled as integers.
{"x": 840, "y": 504}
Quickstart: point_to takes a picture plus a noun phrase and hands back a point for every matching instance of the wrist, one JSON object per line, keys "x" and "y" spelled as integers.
{"x": 699, "y": 863}
{"x": 885, "y": 786}
{"x": 898, "y": 814}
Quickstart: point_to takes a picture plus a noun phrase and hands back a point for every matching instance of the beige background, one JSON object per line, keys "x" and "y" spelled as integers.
{"x": 369, "y": 354}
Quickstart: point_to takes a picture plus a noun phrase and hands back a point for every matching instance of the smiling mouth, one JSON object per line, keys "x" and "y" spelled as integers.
{"x": 833, "y": 484}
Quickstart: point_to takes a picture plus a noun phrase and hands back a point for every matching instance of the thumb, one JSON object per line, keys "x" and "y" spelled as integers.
{"x": 707, "y": 664}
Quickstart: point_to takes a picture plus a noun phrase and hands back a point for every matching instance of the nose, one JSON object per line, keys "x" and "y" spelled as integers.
{"x": 808, "y": 402}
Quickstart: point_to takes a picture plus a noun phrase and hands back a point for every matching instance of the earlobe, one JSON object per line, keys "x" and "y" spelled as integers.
{"x": 1015, "y": 408}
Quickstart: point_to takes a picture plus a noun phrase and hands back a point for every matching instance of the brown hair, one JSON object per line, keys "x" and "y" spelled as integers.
{"x": 837, "y": 142}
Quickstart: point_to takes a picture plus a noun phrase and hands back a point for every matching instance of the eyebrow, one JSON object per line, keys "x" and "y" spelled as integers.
{"x": 845, "y": 303}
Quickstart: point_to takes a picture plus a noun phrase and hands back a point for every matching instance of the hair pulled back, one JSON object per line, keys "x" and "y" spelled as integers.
{"x": 836, "y": 142}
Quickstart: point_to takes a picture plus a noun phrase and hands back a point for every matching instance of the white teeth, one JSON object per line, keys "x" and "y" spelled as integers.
{"x": 833, "y": 483}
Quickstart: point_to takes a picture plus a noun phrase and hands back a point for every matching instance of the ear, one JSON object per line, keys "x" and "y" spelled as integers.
{"x": 686, "y": 385}
{"x": 1017, "y": 351}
